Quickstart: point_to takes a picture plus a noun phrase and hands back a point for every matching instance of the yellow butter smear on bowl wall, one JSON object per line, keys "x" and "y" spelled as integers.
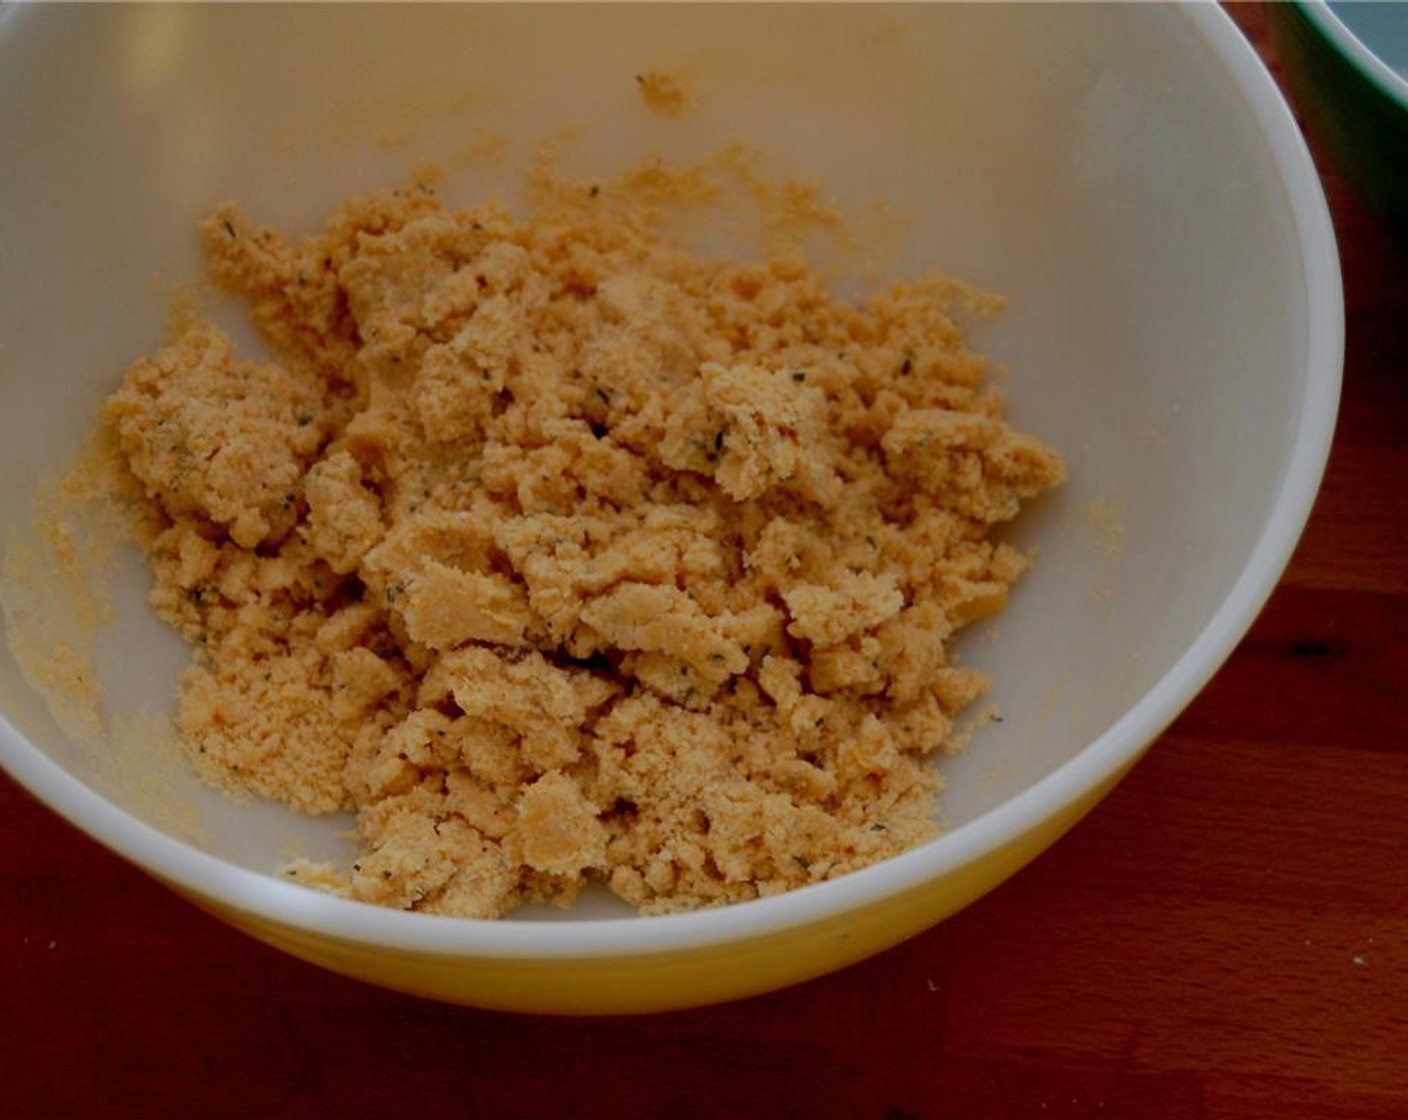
{"x": 558, "y": 552}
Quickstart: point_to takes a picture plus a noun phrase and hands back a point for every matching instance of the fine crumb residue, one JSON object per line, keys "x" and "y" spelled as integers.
{"x": 878, "y": 241}
{"x": 485, "y": 148}
{"x": 558, "y": 552}
{"x": 188, "y": 302}
{"x": 405, "y": 115}
{"x": 999, "y": 774}
{"x": 663, "y": 91}
{"x": 1152, "y": 436}
{"x": 145, "y": 758}
{"x": 730, "y": 196}
{"x": 963, "y": 733}
{"x": 1053, "y": 699}
{"x": 323, "y": 875}
{"x": 54, "y": 594}
{"x": 1106, "y": 518}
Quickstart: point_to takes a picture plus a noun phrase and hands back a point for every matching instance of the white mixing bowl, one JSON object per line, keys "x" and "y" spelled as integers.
{"x": 1127, "y": 175}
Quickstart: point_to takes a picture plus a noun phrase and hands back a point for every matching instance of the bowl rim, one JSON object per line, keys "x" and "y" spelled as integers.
{"x": 265, "y": 899}
{"x": 1322, "y": 16}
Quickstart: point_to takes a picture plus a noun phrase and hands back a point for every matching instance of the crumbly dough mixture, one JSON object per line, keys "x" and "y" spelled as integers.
{"x": 557, "y": 553}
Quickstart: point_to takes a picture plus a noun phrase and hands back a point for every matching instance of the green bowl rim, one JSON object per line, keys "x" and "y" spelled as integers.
{"x": 1322, "y": 16}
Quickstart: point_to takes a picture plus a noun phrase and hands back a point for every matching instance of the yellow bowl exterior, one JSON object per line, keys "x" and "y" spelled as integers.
{"x": 623, "y": 985}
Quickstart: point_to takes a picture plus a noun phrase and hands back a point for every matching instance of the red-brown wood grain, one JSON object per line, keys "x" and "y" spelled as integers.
{"x": 1226, "y": 936}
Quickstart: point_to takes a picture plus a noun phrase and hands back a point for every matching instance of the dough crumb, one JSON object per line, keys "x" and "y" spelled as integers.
{"x": 663, "y": 92}
{"x": 558, "y": 553}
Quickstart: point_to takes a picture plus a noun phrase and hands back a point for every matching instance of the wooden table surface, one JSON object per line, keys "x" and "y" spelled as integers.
{"x": 1226, "y": 936}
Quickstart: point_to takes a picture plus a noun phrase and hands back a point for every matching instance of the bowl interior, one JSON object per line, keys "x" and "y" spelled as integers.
{"x": 1092, "y": 163}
